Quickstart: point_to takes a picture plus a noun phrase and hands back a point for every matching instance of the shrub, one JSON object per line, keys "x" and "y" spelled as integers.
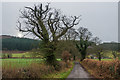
{"x": 62, "y": 64}
{"x": 66, "y": 55}
{"x": 23, "y": 56}
{"x": 4, "y": 55}
{"x": 103, "y": 69}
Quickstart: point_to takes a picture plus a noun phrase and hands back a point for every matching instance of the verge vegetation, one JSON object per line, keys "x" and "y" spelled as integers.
{"x": 103, "y": 69}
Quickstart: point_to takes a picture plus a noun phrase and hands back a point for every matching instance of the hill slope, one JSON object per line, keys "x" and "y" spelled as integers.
{"x": 16, "y": 43}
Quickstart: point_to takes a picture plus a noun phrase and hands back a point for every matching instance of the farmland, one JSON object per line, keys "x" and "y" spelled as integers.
{"x": 18, "y": 55}
{"x": 17, "y": 60}
{"x": 51, "y": 44}
{"x": 25, "y": 61}
{"x": 28, "y": 63}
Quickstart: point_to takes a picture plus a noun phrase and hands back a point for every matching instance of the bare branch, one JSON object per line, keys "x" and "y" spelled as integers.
{"x": 46, "y": 23}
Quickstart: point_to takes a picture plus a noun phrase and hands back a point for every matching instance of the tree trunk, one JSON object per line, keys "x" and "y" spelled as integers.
{"x": 83, "y": 55}
{"x": 74, "y": 57}
{"x": 50, "y": 57}
{"x": 99, "y": 57}
{"x": 114, "y": 54}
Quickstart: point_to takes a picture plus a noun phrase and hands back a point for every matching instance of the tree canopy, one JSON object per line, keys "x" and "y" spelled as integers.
{"x": 47, "y": 23}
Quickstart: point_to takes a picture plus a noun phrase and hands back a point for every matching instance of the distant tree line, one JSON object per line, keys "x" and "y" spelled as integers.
{"x": 21, "y": 44}
{"x": 114, "y": 46}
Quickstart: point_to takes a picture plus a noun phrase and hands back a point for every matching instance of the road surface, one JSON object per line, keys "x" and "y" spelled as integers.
{"x": 79, "y": 73}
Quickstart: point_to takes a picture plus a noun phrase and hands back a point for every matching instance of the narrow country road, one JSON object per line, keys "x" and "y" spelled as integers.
{"x": 78, "y": 73}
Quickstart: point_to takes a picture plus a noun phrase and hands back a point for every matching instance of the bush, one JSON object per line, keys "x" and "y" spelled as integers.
{"x": 66, "y": 56}
{"x": 103, "y": 69}
{"x": 23, "y": 56}
{"x": 4, "y": 55}
{"x": 62, "y": 64}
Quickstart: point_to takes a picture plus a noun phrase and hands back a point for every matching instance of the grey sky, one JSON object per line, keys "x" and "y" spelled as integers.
{"x": 0, "y": 18}
{"x": 101, "y": 18}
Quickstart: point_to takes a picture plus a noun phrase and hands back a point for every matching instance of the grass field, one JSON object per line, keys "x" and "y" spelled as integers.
{"x": 26, "y": 54}
{"x": 104, "y": 59}
{"x": 20, "y": 62}
{"x": 21, "y": 54}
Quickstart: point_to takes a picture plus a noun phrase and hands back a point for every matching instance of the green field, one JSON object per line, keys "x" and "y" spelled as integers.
{"x": 104, "y": 59}
{"x": 25, "y": 62}
{"x": 20, "y": 62}
{"x": 26, "y": 54}
{"x": 21, "y": 54}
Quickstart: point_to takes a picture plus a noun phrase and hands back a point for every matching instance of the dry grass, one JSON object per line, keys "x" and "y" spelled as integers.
{"x": 35, "y": 70}
{"x": 103, "y": 69}
{"x": 63, "y": 73}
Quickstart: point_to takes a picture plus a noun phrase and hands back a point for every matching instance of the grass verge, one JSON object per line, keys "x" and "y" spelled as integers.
{"x": 62, "y": 74}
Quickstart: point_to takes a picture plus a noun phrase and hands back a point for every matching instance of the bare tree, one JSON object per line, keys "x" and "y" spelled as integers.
{"x": 86, "y": 40}
{"x": 69, "y": 39}
{"x": 114, "y": 53}
{"x": 114, "y": 49}
{"x": 48, "y": 25}
{"x": 71, "y": 34}
{"x": 99, "y": 51}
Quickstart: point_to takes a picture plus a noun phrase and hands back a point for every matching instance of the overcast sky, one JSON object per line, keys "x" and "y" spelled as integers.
{"x": 101, "y": 18}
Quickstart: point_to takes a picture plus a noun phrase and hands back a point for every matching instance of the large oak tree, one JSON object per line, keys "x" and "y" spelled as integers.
{"x": 48, "y": 24}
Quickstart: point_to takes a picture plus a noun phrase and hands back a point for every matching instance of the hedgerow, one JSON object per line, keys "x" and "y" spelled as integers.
{"x": 103, "y": 69}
